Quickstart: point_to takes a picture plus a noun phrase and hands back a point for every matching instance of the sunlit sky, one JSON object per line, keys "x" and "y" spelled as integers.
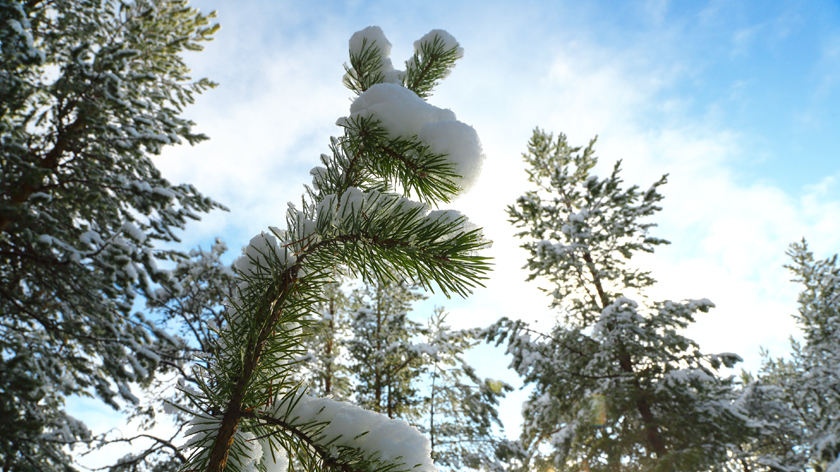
{"x": 737, "y": 101}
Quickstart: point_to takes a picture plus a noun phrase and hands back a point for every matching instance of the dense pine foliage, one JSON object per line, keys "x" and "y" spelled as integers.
{"x": 796, "y": 400}
{"x": 248, "y": 410}
{"x": 89, "y": 91}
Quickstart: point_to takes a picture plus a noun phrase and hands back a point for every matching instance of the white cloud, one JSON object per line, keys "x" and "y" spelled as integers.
{"x": 268, "y": 123}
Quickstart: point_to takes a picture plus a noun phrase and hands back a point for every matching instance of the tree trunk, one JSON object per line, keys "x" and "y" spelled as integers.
{"x": 432, "y": 412}
{"x": 49, "y": 162}
{"x": 328, "y": 378}
{"x": 654, "y": 438}
{"x": 377, "y": 377}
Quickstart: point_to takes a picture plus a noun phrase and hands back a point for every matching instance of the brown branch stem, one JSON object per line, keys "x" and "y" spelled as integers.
{"x": 626, "y": 363}
{"x": 49, "y": 162}
{"x": 233, "y": 413}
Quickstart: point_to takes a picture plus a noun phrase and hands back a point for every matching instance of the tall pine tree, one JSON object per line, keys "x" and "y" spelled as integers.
{"x": 461, "y": 408}
{"x": 808, "y": 383}
{"x": 383, "y": 361}
{"x": 324, "y": 368}
{"x": 89, "y": 91}
{"x": 775, "y": 442}
{"x": 392, "y": 364}
{"x": 616, "y": 386}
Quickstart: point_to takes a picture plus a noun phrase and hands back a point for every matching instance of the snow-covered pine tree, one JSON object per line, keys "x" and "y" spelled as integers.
{"x": 810, "y": 379}
{"x": 324, "y": 368}
{"x": 460, "y": 408}
{"x": 774, "y": 444}
{"x": 616, "y": 386}
{"x": 384, "y": 363}
{"x": 248, "y": 413}
{"x": 204, "y": 282}
{"x": 88, "y": 92}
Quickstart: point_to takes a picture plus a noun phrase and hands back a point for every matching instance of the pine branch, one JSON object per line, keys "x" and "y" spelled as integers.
{"x": 346, "y": 220}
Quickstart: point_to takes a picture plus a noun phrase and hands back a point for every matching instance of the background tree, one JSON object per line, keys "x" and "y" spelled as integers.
{"x": 397, "y": 366}
{"x": 384, "y": 361}
{"x": 809, "y": 382}
{"x": 324, "y": 368}
{"x": 191, "y": 314}
{"x": 460, "y": 408}
{"x": 88, "y": 92}
{"x": 616, "y": 386}
{"x": 247, "y": 411}
{"x": 777, "y": 435}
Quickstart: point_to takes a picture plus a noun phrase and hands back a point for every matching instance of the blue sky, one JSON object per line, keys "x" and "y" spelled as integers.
{"x": 737, "y": 101}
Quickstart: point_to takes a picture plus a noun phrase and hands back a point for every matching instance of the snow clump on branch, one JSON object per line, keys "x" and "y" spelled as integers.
{"x": 378, "y": 436}
{"x": 254, "y": 260}
{"x": 461, "y": 222}
{"x": 373, "y": 35}
{"x": 253, "y": 451}
{"x": 402, "y": 114}
{"x": 449, "y": 42}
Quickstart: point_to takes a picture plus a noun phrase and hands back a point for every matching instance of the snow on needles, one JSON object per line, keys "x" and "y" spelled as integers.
{"x": 253, "y": 451}
{"x": 373, "y": 36}
{"x": 449, "y": 42}
{"x": 387, "y": 439}
{"x": 403, "y": 115}
{"x": 255, "y": 256}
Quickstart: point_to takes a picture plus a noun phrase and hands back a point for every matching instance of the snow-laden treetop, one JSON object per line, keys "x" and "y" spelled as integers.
{"x": 374, "y": 35}
{"x": 371, "y": 211}
{"x": 404, "y": 113}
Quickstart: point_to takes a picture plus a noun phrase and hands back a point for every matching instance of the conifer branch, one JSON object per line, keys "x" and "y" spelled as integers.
{"x": 347, "y": 221}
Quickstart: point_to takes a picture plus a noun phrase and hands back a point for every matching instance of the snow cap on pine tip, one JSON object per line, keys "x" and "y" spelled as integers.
{"x": 374, "y": 36}
{"x": 449, "y": 42}
{"x": 403, "y": 114}
{"x": 390, "y": 440}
